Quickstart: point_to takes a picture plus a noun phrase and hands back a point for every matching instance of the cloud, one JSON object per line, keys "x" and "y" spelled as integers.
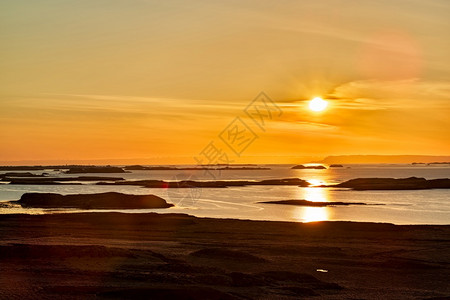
{"x": 112, "y": 108}
{"x": 375, "y": 112}
{"x": 399, "y": 94}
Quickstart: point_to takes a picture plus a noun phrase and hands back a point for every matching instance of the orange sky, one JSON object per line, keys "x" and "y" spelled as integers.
{"x": 156, "y": 82}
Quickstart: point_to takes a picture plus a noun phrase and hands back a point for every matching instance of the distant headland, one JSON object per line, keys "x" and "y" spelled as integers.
{"x": 381, "y": 159}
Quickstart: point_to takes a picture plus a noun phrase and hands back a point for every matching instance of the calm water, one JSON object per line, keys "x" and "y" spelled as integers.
{"x": 399, "y": 207}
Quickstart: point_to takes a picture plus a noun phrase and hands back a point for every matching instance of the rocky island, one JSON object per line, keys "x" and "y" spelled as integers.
{"x": 56, "y": 180}
{"x": 110, "y": 200}
{"x": 200, "y": 168}
{"x": 312, "y": 203}
{"x": 411, "y": 183}
{"x": 208, "y": 184}
{"x": 95, "y": 169}
{"x": 301, "y": 167}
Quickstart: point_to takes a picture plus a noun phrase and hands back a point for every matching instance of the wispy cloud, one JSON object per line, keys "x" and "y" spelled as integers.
{"x": 400, "y": 94}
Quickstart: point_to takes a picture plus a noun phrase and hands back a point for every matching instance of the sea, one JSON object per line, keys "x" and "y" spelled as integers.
{"x": 397, "y": 207}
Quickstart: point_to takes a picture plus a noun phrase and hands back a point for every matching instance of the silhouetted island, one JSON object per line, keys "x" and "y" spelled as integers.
{"x": 57, "y": 180}
{"x": 95, "y": 169}
{"x": 336, "y": 166}
{"x": 208, "y": 184}
{"x": 411, "y": 183}
{"x": 22, "y": 168}
{"x": 382, "y": 159}
{"x": 308, "y": 167}
{"x": 21, "y": 174}
{"x": 312, "y": 203}
{"x": 106, "y": 169}
{"x": 214, "y": 168}
{"x": 110, "y": 200}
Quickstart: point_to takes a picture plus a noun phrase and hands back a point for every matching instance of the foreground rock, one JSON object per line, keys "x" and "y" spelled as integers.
{"x": 301, "y": 167}
{"x": 109, "y": 200}
{"x": 312, "y": 203}
{"x": 411, "y": 183}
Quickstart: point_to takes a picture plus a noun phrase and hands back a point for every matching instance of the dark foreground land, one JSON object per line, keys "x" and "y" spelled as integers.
{"x": 152, "y": 256}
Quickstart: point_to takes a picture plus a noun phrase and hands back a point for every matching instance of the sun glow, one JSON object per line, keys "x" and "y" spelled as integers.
{"x": 311, "y": 214}
{"x": 315, "y": 214}
{"x": 314, "y": 194}
{"x": 317, "y": 104}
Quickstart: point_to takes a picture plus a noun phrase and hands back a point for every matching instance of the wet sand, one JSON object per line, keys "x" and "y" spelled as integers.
{"x": 114, "y": 255}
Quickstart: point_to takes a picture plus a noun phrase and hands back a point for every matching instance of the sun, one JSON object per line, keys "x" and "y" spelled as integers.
{"x": 317, "y": 104}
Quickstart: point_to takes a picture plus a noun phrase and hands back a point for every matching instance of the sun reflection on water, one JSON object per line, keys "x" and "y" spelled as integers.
{"x": 314, "y": 194}
{"x": 311, "y": 214}
{"x": 314, "y": 214}
{"x": 315, "y": 182}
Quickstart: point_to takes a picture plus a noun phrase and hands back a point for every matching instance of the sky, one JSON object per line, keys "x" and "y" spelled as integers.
{"x": 167, "y": 81}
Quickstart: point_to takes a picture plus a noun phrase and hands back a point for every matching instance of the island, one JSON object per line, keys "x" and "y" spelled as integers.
{"x": 104, "y": 169}
{"x": 411, "y": 183}
{"x": 312, "y": 203}
{"x": 208, "y": 184}
{"x": 109, "y": 200}
{"x": 22, "y": 168}
{"x": 21, "y": 174}
{"x": 56, "y": 180}
{"x": 301, "y": 167}
{"x": 200, "y": 168}
{"x": 95, "y": 169}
